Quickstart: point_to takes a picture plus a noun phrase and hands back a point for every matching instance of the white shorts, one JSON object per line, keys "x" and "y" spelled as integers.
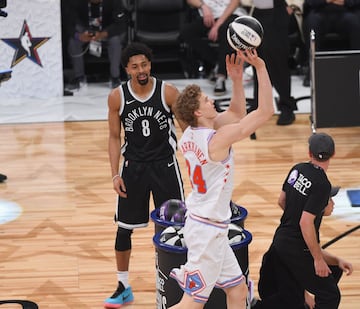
{"x": 211, "y": 261}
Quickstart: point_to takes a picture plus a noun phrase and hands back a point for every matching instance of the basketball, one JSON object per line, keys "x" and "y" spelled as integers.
{"x": 245, "y": 32}
{"x": 179, "y": 215}
{"x": 236, "y": 234}
{"x": 173, "y": 236}
{"x": 173, "y": 210}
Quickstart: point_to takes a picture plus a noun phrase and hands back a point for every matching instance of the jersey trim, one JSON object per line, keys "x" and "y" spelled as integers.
{"x": 151, "y": 93}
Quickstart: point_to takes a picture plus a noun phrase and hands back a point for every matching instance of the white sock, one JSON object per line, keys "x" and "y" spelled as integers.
{"x": 123, "y": 277}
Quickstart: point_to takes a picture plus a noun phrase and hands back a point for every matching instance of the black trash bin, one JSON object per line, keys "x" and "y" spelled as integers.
{"x": 168, "y": 292}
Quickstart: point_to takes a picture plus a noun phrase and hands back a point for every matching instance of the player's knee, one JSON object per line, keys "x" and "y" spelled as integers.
{"x": 243, "y": 290}
{"x": 237, "y": 294}
{"x": 123, "y": 239}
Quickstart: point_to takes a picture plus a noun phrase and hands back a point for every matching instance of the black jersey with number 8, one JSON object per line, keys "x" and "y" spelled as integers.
{"x": 148, "y": 124}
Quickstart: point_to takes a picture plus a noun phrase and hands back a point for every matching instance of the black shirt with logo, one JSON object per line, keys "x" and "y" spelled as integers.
{"x": 308, "y": 189}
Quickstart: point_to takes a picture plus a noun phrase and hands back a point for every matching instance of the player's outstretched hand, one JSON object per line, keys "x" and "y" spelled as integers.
{"x": 234, "y": 67}
{"x": 251, "y": 56}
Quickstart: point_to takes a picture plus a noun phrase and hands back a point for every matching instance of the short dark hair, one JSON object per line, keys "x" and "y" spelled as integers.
{"x": 133, "y": 49}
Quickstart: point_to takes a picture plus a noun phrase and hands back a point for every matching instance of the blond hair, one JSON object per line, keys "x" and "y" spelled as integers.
{"x": 187, "y": 103}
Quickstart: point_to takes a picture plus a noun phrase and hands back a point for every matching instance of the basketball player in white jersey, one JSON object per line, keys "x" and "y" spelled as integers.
{"x": 206, "y": 146}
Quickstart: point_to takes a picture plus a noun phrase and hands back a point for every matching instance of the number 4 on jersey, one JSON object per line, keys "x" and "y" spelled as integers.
{"x": 197, "y": 178}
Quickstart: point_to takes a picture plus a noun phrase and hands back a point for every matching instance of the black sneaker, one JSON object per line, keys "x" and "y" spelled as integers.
{"x": 115, "y": 82}
{"x": 2, "y": 177}
{"x": 220, "y": 88}
{"x": 286, "y": 118}
{"x": 306, "y": 80}
{"x": 212, "y": 77}
{"x": 76, "y": 84}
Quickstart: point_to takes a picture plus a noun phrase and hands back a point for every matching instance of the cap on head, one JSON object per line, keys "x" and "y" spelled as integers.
{"x": 334, "y": 191}
{"x": 321, "y": 146}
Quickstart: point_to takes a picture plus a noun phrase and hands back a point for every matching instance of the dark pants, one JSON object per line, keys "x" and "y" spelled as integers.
{"x": 285, "y": 274}
{"x": 332, "y": 18}
{"x": 275, "y": 49}
{"x": 195, "y": 35}
{"x": 277, "y": 287}
{"x": 114, "y": 46}
{"x": 160, "y": 178}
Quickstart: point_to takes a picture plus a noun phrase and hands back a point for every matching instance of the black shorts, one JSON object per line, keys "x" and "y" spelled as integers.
{"x": 161, "y": 178}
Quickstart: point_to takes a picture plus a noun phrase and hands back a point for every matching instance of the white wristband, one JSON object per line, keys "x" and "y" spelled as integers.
{"x": 115, "y": 177}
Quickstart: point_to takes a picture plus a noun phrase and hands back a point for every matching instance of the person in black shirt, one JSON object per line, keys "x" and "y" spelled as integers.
{"x": 297, "y": 258}
{"x": 143, "y": 108}
{"x": 277, "y": 287}
{"x": 93, "y": 22}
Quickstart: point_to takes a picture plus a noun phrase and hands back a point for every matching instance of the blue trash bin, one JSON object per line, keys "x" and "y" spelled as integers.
{"x": 160, "y": 224}
{"x": 167, "y": 257}
{"x": 241, "y": 217}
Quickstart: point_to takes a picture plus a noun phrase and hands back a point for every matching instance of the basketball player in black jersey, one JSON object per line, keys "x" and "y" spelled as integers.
{"x": 141, "y": 107}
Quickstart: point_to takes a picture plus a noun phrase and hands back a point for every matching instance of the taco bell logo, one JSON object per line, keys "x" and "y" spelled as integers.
{"x": 299, "y": 182}
{"x": 292, "y": 177}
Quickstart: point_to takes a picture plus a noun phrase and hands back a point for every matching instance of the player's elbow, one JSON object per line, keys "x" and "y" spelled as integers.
{"x": 270, "y": 110}
{"x": 266, "y": 112}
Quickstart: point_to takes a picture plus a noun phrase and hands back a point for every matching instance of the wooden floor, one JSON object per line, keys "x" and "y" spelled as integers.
{"x": 59, "y": 251}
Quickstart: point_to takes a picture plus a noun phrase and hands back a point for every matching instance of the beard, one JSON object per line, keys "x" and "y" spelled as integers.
{"x": 143, "y": 82}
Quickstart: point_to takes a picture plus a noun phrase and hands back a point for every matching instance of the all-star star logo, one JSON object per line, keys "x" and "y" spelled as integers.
{"x": 26, "y": 46}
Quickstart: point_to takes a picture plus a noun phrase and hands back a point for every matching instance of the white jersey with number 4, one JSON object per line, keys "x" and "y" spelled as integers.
{"x": 212, "y": 182}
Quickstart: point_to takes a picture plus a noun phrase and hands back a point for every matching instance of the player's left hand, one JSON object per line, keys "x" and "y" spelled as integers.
{"x": 234, "y": 67}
